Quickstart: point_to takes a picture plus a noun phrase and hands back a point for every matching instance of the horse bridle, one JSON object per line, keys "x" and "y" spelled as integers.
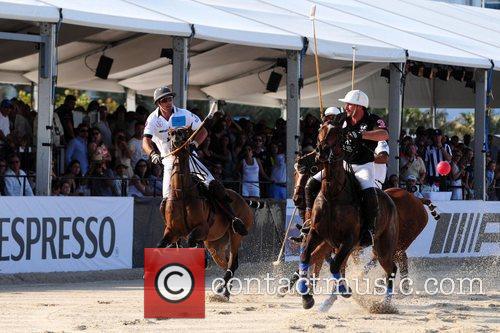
{"x": 331, "y": 159}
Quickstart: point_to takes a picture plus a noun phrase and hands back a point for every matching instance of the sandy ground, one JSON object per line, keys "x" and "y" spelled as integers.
{"x": 31, "y": 304}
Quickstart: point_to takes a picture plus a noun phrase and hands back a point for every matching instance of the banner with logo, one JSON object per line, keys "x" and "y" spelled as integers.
{"x": 465, "y": 229}
{"x": 55, "y": 234}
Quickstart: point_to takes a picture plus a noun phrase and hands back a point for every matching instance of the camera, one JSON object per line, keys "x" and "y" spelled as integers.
{"x": 411, "y": 188}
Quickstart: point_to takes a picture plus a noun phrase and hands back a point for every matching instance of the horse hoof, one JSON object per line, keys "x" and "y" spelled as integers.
{"x": 345, "y": 291}
{"x": 307, "y": 301}
{"x": 327, "y": 304}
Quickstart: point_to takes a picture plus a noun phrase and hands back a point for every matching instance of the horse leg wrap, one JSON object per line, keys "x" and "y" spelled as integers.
{"x": 303, "y": 281}
{"x": 342, "y": 289}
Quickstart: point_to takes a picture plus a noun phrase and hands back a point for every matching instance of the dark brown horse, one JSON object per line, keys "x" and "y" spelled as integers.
{"x": 412, "y": 219}
{"x": 191, "y": 216}
{"x": 336, "y": 219}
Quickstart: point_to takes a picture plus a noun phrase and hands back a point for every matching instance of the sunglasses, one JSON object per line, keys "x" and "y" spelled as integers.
{"x": 166, "y": 99}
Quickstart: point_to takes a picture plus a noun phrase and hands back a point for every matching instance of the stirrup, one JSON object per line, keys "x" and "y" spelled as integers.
{"x": 238, "y": 226}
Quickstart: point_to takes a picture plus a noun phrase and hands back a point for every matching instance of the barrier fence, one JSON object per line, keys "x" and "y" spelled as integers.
{"x": 48, "y": 234}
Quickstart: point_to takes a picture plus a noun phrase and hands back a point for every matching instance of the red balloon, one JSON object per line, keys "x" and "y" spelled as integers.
{"x": 443, "y": 168}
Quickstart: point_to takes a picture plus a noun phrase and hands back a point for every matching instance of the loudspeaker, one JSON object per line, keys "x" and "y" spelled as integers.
{"x": 167, "y": 53}
{"x": 103, "y": 67}
{"x": 273, "y": 82}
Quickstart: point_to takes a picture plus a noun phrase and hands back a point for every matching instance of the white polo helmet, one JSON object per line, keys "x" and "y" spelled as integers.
{"x": 332, "y": 111}
{"x": 356, "y": 97}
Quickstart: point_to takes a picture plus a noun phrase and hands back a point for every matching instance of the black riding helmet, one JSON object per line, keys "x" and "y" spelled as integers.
{"x": 162, "y": 92}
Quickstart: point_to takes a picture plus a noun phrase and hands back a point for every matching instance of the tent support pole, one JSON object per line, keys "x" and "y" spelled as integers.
{"x": 46, "y": 88}
{"x": 394, "y": 117}
{"x": 180, "y": 70}
{"x": 480, "y": 135}
{"x": 292, "y": 115}
{"x": 131, "y": 101}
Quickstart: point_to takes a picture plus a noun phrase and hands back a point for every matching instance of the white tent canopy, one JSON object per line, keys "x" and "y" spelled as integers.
{"x": 236, "y": 43}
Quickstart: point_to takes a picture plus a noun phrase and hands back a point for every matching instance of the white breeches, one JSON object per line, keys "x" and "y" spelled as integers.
{"x": 198, "y": 168}
{"x": 364, "y": 173}
{"x": 380, "y": 171}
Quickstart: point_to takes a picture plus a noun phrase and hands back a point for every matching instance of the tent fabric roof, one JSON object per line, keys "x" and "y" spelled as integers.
{"x": 236, "y": 43}
{"x": 382, "y": 31}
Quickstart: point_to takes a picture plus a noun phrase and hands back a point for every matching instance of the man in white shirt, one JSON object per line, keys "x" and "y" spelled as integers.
{"x": 16, "y": 182}
{"x": 167, "y": 116}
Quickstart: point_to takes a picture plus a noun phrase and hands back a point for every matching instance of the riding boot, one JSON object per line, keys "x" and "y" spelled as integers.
{"x": 370, "y": 213}
{"x": 163, "y": 205}
{"x": 312, "y": 189}
{"x": 218, "y": 191}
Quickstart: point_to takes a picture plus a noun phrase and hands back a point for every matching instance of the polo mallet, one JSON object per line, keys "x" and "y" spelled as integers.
{"x": 353, "y": 66}
{"x": 278, "y": 261}
{"x": 312, "y": 15}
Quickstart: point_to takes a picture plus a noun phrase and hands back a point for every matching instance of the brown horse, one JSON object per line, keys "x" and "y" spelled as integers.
{"x": 412, "y": 219}
{"x": 336, "y": 219}
{"x": 191, "y": 216}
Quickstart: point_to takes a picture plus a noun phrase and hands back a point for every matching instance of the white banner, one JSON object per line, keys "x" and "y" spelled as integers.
{"x": 55, "y": 234}
{"x": 466, "y": 229}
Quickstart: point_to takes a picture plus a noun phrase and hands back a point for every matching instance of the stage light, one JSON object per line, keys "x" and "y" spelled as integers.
{"x": 281, "y": 62}
{"x": 273, "y": 82}
{"x": 104, "y": 67}
{"x": 167, "y": 53}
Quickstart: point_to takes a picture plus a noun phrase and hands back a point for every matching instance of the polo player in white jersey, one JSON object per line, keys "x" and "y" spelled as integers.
{"x": 165, "y": 117}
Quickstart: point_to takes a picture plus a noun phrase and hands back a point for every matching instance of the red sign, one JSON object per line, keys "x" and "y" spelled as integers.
{"x": 174, "y": 283}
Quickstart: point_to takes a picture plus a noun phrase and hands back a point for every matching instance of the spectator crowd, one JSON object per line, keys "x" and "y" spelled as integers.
{"x": 100, "y": 153}
{"x": 419, "y": 155}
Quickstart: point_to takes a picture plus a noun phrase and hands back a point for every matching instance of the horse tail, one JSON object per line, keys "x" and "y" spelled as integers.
{"x": 432, "y": 208}
{"x": 257, "y": 204}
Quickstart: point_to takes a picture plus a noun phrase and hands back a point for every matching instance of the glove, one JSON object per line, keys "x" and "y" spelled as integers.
{"x": 155, "y": 158}
{"x": 354, "y": 135}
